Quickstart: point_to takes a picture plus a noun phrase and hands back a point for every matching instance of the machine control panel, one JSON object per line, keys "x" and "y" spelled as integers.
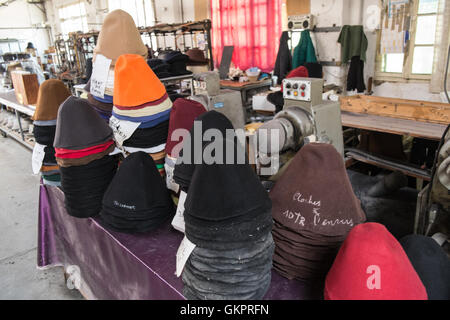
{"x": 303, "y": 89}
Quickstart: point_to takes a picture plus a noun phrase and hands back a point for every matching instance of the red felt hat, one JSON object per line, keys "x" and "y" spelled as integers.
{"x": 371, "y": 265}
{"x": 182, "y": 116}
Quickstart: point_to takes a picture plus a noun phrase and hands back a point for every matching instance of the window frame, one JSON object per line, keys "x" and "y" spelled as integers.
{"x": 407, "y": 75}
{"x": 62, "y": 20}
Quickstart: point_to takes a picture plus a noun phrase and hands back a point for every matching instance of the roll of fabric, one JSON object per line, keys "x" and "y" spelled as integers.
{"x": 372, "y": 265}
{"x": 136, "y": 200}
{"x": 51, "y": 94}
{"x": 119, "y": 36}
{"x": 314, "y": 208}
{"x": 431, "y": 263}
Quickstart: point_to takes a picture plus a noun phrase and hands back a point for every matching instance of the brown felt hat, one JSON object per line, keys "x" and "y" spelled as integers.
{"x": 52, "y": 93}
{"x": 118, "y": 36}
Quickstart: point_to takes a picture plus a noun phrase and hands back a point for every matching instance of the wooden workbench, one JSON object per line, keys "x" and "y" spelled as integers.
{"x": 417, "y": 129}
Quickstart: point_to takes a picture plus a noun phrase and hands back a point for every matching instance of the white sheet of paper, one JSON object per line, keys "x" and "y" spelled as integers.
{"x": 37, "y": 157}
{"x": 178, "y": 220}
{"x": 170, "y": 183}
{"x": 184, "y": 251}
{"x": 122, "y": 129}
{"x": 99, "y": 75}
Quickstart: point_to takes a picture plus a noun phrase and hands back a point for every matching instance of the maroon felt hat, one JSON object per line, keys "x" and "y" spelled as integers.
{"x": 182, "y": 116}
{"x": 196, "y": 56}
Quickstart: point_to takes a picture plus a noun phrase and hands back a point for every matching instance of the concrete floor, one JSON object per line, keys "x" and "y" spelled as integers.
{"x": 19, "y": 191}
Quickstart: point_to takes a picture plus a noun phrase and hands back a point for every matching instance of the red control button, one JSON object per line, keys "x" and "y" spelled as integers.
{"x": 303, "y": 86}
{"x": 303, "y": 94}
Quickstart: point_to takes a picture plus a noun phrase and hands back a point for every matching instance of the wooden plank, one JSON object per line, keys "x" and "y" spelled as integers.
{"x": 412, "y": 128}
{"x": 423, "y": 111}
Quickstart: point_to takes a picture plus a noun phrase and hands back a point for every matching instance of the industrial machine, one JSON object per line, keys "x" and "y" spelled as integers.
{"x": 305, "y": 118}
{"x": 227, "y": 102}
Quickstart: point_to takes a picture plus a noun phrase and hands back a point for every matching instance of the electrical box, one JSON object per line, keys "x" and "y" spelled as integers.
{"x": 307, "y": 90}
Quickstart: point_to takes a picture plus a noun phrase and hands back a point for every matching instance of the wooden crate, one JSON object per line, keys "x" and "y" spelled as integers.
{"x": 424, "y": 111}
{"x": 26, "y": 87}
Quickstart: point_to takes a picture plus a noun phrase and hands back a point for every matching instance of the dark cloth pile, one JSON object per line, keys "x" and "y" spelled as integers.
{"x": 183, "y": 114}
{"x": 177, "y": 62}
{"x": 160, "y": 68}
{"x": 431, "y": 263}
{"x": 142, "y": 100}
{"x": 50, "y": 96}
{"x": 230, "y": 226}
{"x": 314, "y": 208}
{"x": 83, "y": 142}
{"x": 136, "y": 201}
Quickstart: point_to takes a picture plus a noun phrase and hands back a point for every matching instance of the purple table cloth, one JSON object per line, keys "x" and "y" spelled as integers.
{"x": 114, "y": 265}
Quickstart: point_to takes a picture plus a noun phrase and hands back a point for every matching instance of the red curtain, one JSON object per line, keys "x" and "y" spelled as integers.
{"x": 253, "y": 27}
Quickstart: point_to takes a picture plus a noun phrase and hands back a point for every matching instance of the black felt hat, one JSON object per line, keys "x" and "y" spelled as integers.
{"x": 137, "y": 199}
{"x": 431, "y": 264}
{"x": 79, "y": 126}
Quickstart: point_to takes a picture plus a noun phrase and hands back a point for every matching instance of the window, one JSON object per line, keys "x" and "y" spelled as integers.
{"x": 140, "y": 10}
{"x": 73, "y": 18}
{"x": 417, "y": 57}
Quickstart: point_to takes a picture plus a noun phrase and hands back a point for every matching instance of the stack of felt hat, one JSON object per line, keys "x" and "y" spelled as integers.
{"x": 118, "y": 36}
{"x": 182, "y": 117}
{"x": 140, "y": 97}
{"x": 51, "y": 94}
{"x": 372, "y": 265}
{"x": 160, "y": 68}
{"x": 228, "y": 217}
{"x": 137, "y": 200}
{"x": 314, "y": 208}
{"x": 83, "y": 142}
{"x": 177, "y": 62}
{"x": 431, "y": 263}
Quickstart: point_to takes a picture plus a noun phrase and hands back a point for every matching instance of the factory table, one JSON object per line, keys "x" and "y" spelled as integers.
{"x": 8, "y": 99}
{"x": 112, "y": 265}
{"x": 245, "y": 87}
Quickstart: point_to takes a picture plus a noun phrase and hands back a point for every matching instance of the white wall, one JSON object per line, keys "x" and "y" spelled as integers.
{"x": 24, "y": 17}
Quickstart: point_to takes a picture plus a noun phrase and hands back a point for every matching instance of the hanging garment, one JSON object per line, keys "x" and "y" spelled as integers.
{"x": 304, "y": 52}
{"x": 353, "y": 43}
{"x": 355, "y": 79}
{"x": 283, "y": 64}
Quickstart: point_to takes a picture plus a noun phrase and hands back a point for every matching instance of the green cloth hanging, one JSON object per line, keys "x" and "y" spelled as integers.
{"x": 304, "y": 52}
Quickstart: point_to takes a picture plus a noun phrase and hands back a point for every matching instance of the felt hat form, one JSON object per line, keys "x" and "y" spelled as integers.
{"x": 137, "y": 90}
{"x": 431, "y": 263}
{"x": 137, "y": 199}
{"x": 185, "y": 165}
{"x": 323, "y": 195}
{"x": 51, "y": 94}
{"x": 182, "y": 116}
{"x": 118, "y": 36}
{"x": 372, "y": 265}
{"x": 79, "y": 127}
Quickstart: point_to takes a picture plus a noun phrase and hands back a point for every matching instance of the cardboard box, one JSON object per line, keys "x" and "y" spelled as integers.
{"x": 26, "y": 87}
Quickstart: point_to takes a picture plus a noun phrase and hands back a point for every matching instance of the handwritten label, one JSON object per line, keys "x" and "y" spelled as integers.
{"x": 178, "y": 220}
{"x": 122, "y": 129}
{"x": 184, "y": 251}
{"x": 37, "y": 157}
{"x": 99, "y": 75}
{"x": 171, "y": 184}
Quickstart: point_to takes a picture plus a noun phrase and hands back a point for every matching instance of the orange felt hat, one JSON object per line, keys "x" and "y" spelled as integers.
{"x": 135, "y": 83}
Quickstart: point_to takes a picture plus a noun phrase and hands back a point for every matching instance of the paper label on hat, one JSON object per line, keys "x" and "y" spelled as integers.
{"x": 171, "y": 184}
{"x": 122, "y": 129}
{"x": 99, "y": 76}
{"x": 37, "y": 157}
{"x": 178, "y": 220}
{"x": 184, "y": 251}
